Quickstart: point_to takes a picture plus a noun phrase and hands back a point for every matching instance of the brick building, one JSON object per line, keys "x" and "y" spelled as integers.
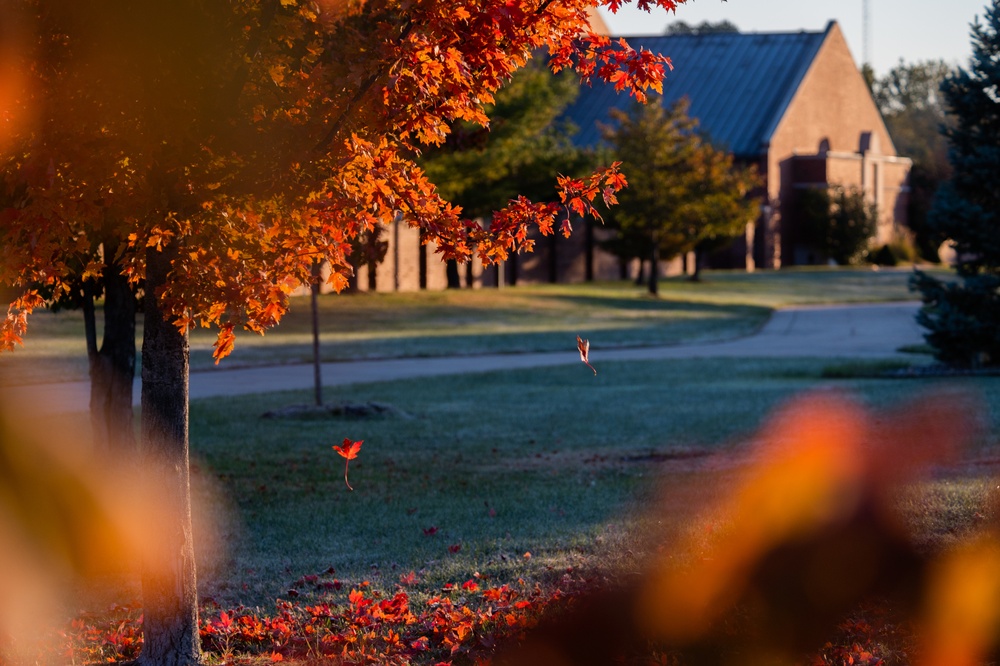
{"x": 793, "y": 103}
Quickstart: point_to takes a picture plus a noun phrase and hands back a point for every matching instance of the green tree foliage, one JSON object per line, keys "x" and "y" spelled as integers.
{"x": 683, "y": 191}
{"x": 837, "y": 223}
{"x": 481, "y": 168}
{"x": 911, "y": 103}
{"x": 703, "y": 28}
{"x": 963, "y": 316}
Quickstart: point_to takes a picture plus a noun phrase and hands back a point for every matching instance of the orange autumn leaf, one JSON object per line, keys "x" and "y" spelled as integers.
{"x": 349, "y": 450}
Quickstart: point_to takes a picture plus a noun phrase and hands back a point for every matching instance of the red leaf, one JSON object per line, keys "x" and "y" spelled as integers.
{"x": 349, "y": 450}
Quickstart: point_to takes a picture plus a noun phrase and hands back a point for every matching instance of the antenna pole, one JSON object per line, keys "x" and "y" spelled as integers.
{"x": 866, "y": 36}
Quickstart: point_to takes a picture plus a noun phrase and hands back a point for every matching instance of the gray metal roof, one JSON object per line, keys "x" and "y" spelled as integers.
{"x": 739, "y": 84}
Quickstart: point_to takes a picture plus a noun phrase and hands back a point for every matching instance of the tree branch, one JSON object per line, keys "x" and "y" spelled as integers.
{"x": 338, "y": 124}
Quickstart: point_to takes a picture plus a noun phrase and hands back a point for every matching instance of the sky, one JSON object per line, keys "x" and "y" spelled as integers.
{"x": 913, "y": 30}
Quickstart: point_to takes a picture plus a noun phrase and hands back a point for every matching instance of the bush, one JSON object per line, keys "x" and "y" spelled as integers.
{"x": 883, "y": 256}
{"x": 837, "y": 223}
{"x": 900, "y": 250}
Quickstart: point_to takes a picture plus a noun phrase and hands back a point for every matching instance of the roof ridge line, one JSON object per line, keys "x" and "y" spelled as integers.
{"x": 756, "y": 33}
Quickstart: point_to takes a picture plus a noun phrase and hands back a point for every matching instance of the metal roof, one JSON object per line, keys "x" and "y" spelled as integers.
{"x": 739, "y": 84}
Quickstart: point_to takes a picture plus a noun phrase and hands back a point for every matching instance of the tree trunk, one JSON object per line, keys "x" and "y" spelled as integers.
{"x": 372, "y": 276}
{"x": 317, "y": 362}
{"x": 451, "y": 272}
{"x": 696, "y": 272}
{"x": 112, "y": 365}
{"x": 554, "y": 258}
{"x": 654, "y": 269}
{"x": 169, "y": 588}
{"x": 422, "y": 263}
{"x": 588, "y": 266}
{"x": 112, "y": 369}
{"x": 640, "y": 276}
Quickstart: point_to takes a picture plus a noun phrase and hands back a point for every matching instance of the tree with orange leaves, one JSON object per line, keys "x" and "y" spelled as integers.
{"x": 210, "y": 153}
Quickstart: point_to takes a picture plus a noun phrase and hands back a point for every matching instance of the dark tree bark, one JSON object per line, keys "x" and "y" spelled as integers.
{"x": 554, "y": 258}
{"x": 112, "y": 364}
{"x": 451, "y": 272}
{"x": 112, "y": 369}
{"x": 589, "y": 251}
{"x": 696, "y": 269}
{"x": 422, "y": 264}
{"x": 640, "y": 275}
{"x": 169, "y": 587}
{"x": 654, "y": 268}
{"x": 317, "y": 362}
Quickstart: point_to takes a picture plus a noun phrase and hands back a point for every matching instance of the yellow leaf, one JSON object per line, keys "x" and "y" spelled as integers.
{"x": 277, "y": 72}
{"x": 338, "y": 282}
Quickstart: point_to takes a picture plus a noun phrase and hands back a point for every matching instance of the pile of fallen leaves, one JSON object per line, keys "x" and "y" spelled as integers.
{"x": 462, "y": 623}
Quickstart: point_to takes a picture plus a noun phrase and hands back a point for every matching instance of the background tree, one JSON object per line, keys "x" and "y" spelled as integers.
{"x": 963, "y": 316}
{"x": 911, "y": 103}
{"x": 837, "y": 223}
{"x": 93, "y": 272}
{"x": 481, "y": 168}
{"x": 721, "y": 206}
{"x": 703, "y": 28}
{"x": 225, "y": 148}
{"x": 682, "y": 190}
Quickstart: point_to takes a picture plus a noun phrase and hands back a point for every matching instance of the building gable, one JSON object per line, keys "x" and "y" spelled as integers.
{"x": 739, "y": 84}
{"x": 831, "y": 106}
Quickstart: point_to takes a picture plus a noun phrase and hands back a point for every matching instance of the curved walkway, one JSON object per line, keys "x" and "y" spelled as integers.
{"x": 855, "y": 331}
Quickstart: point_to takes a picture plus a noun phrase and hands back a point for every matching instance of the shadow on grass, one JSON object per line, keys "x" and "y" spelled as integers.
{"x": 646, "y": 303}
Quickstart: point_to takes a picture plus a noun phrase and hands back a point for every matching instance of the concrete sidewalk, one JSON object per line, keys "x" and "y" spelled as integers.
{"x": 849, "y": 331}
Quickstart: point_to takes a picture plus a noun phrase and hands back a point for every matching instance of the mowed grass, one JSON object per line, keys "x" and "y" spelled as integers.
{"x": 724, "y": 305}
{"x": 482, "y": 469}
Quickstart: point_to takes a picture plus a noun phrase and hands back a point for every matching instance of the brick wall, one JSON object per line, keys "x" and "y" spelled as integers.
{"x": 832, "y": 117}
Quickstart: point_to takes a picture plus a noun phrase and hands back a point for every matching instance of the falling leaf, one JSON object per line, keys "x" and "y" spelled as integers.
{"x": 584, "y": 347}
{"x": 349, "y": 450}
{"x": 454, "y": 548}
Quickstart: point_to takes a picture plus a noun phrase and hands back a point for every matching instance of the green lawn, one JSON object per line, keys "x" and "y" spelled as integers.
{"x": 554, "y": 461}
{"x": 531, "y": 318}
